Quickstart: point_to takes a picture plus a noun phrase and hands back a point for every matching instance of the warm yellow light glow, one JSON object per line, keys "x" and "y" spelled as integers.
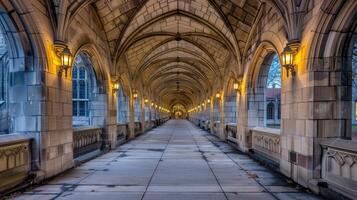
{"x": 66, "y": 58}
{"x": 203, "y": 104}
{"x": 287, "y": 57}
{"x": 146, "y": 100}
{"x": 236, "y": 86}
{"x": 66, "y": 61}
{"x": 152, "y": 104}
{"x": 218, "y": 95}
{"x": 208, "y": 100}
{"x": 116, "y": 86}
{"x": 135, "y": 94}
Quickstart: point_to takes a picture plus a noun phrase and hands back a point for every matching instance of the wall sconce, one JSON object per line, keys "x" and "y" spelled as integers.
{"x": 288, "y": 58}
{"x": 152, "y": 104}
{"x": 237, "y": 86}
{"x": 203, "y": 103}
{"x": 218, "y": 95}
{"x": 146, "y": 100}
{"x": 208, "y": 100}
{"x": 66, "y": 61}
{"x": 135, "y": 94}
{"x": 115, "y": 87}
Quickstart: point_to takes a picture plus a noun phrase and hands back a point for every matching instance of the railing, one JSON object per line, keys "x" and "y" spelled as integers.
{"x": 86, "y": 140}
{"x": 148, "y": 125}
{"x": 205, "y": 125}
{"x": 122, "y": 130}
{"x": 137, "y": 128}
{"x": 216, "y": 125}
{"x": 339, "y": 166}
{"x": 15, "y": 160}
{"x": 267, "y": 142}
{"x": 152, "y": 123}
{"x": 231, "y": 130}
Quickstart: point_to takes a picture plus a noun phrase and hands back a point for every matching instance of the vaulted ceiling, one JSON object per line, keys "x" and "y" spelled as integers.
{"x": 177, "y": 49}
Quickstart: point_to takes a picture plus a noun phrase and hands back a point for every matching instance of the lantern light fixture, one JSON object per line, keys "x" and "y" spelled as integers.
{"x": 115, "y": 87}
{"x": 146, "y": 100}
{"x": 236, "y": 86}
{"x": 218, "y": 95}
{"x": 135, "y": 94}
{"x": 288, "y": 57}
{"x": 66, "y": 61}
{"x": 208, "y": 100}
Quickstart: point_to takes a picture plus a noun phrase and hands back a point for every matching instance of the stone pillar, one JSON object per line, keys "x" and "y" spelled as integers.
{"x": 56, "y": 137}
{"x": 243, "y": 130}
{"x": 112, "y": 120}
{"x": 142, "y": 117}
{"x": 221, "y": 131}
{"x": 131, "y": 117}
{"x": 211, "y": 115}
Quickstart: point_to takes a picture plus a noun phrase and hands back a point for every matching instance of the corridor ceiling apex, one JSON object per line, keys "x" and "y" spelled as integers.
{"x": 201, "y": 37}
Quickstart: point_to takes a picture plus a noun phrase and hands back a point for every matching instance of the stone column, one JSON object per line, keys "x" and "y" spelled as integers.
{"x": 221, "y": 131}
{"x": 211, "y": 115}
{"x": 112, "y": 117}
{"x": 142, "y": 117}
{"x": 131, "y": 117}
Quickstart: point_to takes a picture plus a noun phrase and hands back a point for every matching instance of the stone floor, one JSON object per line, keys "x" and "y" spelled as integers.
{"x": 175, "y": 161}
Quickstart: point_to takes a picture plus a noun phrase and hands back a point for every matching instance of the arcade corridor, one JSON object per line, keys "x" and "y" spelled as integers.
{"x": 175, "y": 161}
{"x": 105, "y": 83}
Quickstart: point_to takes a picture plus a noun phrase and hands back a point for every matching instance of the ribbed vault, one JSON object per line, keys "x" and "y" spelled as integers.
{"x": 179, "y": 50}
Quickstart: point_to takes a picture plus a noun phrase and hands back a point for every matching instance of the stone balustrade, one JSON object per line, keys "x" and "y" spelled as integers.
{"x": 122, "y": 132}
{"x": 86, "y": 140}
{"x": 266, "y": 143}
{"x": 15, "y": 160}
{"x": 339, "y": 166}
{"x": 206, "y": 125}
{"x": 152, "y": 123}
{"x": 216, "y": 125}
{"x": 231, "y": 132}
{"x": 137, "y": 128}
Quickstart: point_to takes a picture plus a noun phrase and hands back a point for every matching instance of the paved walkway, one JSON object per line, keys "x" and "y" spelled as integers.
{"x": 174, "y": 161}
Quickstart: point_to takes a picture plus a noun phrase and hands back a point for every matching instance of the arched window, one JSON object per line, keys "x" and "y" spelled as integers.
{"x": 272, "y": 93}
{"x": 82, "y": 73}
{"x": 216, "y": 116}
{"x": 270, "y": 111}
{"x": 147, "y": 112}
{"x": 279, "y": 111}
{"x": 354, "y": 90}
{"x": 4, "y": 71}
{"x": 122, "y": 106}
{"x": 137, "y": 109}
{"x": 230, "y": 104}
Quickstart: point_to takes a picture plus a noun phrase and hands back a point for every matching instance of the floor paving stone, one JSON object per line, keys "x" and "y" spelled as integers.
{"x": 176, "y": 161}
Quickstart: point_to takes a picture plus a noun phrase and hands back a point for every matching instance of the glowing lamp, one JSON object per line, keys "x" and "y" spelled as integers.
{"x": 146, "y": 100}
{"x": 288, "y": 58}
{"x": 66, "y": 61}
{"x": 115, "y": 87}
{"x": 208, "y": 100}
{"x": 236, "y": 86}
{"x": 135, "y": 94}
{"x": 218, "y": 95}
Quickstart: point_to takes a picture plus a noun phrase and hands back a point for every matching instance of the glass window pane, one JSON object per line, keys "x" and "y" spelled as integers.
{"x": 74, "y": 108}
{"x": 74, "y": 90}
{"x": 82, "y": 73}
{"x": 82, "y": 89}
